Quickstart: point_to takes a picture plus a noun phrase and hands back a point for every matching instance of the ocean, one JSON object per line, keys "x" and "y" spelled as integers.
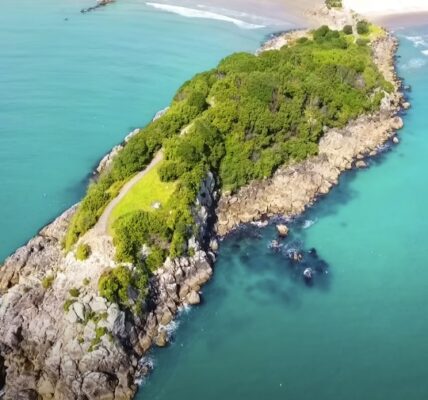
{"x": 359, "y": 332}
{"x": 73, "y": 85}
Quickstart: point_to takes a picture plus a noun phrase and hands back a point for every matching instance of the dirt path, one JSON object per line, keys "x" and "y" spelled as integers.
{"x": 101, "y": 227}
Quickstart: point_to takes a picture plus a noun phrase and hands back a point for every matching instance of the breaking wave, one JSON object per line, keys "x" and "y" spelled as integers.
{"x": 308, "y": 223}
{"x": 417, "y": 41}
{"x": 195, "y": 13}
{"x": 415, "y": 63}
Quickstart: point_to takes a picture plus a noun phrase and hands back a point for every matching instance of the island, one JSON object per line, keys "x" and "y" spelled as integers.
{"x": 257, "y": 136}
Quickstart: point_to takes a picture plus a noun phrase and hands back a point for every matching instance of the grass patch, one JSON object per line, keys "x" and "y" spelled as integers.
{"x": 47, "y": 281}
{"x": 374, "y": 32}
{"x": 149, "y": 190}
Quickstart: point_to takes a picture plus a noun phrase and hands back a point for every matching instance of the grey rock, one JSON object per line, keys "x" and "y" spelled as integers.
{"x": 79, "y": 309}
{"x": 98, "y": 304}
{"x": 193, "y": 298}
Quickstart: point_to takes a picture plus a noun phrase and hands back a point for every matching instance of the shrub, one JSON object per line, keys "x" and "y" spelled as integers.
{"x": 363, "y": 27}
{"x": 113, "y": 285}
{"x": 83, "y": 251}
{"x": 348, "y": 30}
{"x": 99, "y": 333}
{"x": 321, "y": 32}
{"x": 74, "y": 292}
{"x": 47, "y": 281}
{"x": 362, "y": 42}
{"x": 170, "y": 171}
{"x": 68, "y": 303}
{"x": 155, "y": 259}
{"x": 86, "y": 281}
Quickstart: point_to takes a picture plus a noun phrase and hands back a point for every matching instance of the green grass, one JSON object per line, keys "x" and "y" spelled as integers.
{"x": 375, "y": 32}
{"x": 150, "y": 189}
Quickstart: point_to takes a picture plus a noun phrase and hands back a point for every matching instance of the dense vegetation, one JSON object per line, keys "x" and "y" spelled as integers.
{"x": 243, "y": 120}
{"x": 363, "y": 27}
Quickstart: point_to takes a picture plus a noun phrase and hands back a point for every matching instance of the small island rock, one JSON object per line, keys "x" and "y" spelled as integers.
{"x": 282, "y": 230}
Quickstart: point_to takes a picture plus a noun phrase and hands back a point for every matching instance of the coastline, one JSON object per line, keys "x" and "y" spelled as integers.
{"x": 176, "y": 284}
{"x": 294, "y": 188}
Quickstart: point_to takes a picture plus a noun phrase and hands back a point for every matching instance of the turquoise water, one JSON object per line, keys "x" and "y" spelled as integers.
{"x": 72, "y": 89}
{"x": 360, "y": 331}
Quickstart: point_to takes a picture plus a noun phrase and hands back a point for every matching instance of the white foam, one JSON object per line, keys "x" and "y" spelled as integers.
{"x": 424, "y": 52}
{"x": 308, "y": 223}
{"x": 184, "y": 309}
{"x": 171, "y": 327}
{"x": 260, "y": 224}
{"x": 195, "y": 13}
{"x": 415, "y": 63}
{"x": 417, "y": 41}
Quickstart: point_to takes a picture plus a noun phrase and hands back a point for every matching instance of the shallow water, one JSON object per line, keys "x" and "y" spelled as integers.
{"x": 360, "y": 331}
{"x": 72, "y": 89}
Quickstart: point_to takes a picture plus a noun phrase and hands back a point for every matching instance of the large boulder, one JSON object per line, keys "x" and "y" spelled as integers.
{"x": 282, "y": 230}
{"x": 193, "y": 298}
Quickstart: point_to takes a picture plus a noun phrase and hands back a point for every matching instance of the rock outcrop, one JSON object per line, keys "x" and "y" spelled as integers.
{"x": 60, "y": 340}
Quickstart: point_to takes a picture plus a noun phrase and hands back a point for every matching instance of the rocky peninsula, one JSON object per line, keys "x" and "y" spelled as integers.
{"x": 60, "y": 339}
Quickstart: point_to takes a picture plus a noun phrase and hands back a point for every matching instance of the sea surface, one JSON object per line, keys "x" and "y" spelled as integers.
{"x": 73, "y": 85}
{"x": 71, "y": 89}
{"x": 360, "y": 331}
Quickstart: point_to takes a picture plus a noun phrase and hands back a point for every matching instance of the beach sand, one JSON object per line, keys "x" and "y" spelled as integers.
{"x": 283, "y": 14}
{"x": 288, "y": 14}
{"x": 392, "y": 13}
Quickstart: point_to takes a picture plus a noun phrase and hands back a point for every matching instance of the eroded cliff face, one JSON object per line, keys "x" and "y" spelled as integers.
{"x": 295, "y": 187}
{"x": 59, "y": 343}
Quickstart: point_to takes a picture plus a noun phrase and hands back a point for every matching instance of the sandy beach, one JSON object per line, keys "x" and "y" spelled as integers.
{"x": 392, "y": 13}
{"x": 284, "y": 14}
{"x": 288, "y": 14}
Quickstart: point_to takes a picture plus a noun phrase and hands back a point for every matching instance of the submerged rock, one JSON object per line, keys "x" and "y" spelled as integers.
{"x": 308, "y": 274}
{"x": 295, "y": 256}
{"x": 361, "y": 164}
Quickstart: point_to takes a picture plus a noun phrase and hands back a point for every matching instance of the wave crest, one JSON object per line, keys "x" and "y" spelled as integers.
{"x": 418, "y": 41}
{"x": 415, "y": 63}
{"x": 194, "y": 13}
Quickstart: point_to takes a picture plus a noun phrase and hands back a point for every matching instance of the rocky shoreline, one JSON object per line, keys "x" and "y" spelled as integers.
{"x": 56, "y": 351}
{"x": 60, "y": 340}
{"x": 294, "y": 188}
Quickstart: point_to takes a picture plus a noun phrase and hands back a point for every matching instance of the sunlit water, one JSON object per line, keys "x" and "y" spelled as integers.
{"x": 71, "y": 89}
{"x": 73, "y": 85}
{"x": 360, "y": 331}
